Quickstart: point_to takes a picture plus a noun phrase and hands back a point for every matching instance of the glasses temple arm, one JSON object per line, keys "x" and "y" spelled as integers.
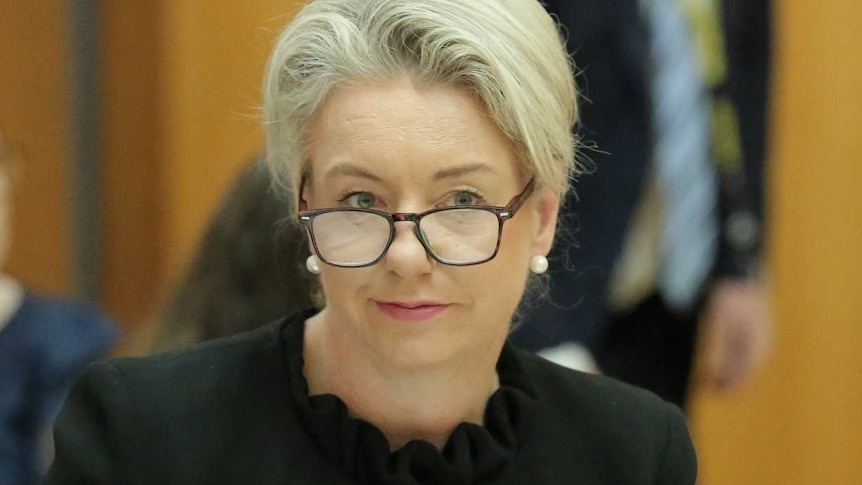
{"x": 518, "y": 200}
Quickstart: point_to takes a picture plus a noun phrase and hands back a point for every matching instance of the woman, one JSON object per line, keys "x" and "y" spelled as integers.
{"x": 428, "y": 143}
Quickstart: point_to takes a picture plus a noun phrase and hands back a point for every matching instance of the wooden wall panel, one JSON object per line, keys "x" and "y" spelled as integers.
{"x": 213, "y": 71}
{"x": 800, "y": 422}
{"x": 132, "y": 212}
{"x": 34, "y": 115}
{"x": 181, "y": 96}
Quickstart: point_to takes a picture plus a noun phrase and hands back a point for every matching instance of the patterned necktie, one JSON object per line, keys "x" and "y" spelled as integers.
{"x": 685, "y": 174}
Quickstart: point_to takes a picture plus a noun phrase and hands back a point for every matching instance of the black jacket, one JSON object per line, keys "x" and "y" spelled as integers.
{"x": 236, "y": 410}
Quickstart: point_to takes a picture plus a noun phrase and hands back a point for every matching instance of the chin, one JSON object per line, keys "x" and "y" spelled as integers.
{"x": 432, "y": 341}
{"x": 411, "y": 353}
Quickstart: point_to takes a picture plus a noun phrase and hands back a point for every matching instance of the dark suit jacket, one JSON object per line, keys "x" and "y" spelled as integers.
{"x": 222, "y": 412}
{"x": 609, "y": 43}
{"x": 43, "y": 348}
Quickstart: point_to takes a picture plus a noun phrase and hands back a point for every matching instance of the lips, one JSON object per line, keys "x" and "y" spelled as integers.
{"x": 411, "y": 311}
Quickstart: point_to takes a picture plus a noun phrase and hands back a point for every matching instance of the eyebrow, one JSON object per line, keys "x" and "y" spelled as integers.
{"x": 351, "y": 170}
{"x": 462, "y": 170}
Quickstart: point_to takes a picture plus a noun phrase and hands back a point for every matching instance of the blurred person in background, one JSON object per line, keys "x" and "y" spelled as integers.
{"x": 248, "y": 269}
{"x": 45, "y": 343}
{"x": 669, "y": 226}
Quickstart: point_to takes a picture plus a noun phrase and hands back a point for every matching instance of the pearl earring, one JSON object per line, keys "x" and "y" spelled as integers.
{"x": 538, "y": 264}
{"x": 312, "y": 264}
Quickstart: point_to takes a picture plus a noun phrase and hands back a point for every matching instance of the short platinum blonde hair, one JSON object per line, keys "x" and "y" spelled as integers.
{"x": 510, "y": 53}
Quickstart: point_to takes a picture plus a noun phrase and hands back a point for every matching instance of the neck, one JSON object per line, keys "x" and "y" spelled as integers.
{"x": 424, "y": 403}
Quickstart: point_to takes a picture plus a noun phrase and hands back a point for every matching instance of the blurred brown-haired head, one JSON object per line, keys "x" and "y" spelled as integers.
{"x": 249, "y": 268}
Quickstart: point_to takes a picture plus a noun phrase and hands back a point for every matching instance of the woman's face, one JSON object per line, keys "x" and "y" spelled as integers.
{"x": 403, "y": 147}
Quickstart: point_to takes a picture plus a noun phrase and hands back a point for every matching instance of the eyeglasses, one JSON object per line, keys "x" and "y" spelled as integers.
{"x": 351, "y": 237}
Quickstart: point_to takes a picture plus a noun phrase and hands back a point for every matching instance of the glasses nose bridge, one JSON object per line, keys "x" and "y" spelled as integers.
{"x": 406, "y": 217}
{"x": 409, "y": 217}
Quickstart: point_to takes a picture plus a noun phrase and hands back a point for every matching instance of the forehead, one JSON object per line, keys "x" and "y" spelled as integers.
{"x": 399, "y": 128}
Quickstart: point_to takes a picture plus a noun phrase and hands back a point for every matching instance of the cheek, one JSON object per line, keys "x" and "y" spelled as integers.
{"x": 498, "y": 285}
{"x": 343, "y": 286}
{"x": 509, "y": 270}
{"x": 515, "y": 243}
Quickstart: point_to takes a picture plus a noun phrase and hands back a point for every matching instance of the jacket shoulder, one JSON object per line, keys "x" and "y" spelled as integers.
{"x": 202, "y": 359}
{"x": 625, "y": 433}
{"x": 182, "y": 409}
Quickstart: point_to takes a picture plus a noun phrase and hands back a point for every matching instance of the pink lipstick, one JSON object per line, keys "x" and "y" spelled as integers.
{"x": 411, "y": 311}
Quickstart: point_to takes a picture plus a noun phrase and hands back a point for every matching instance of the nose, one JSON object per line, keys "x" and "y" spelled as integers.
{"x": 407, "y": 256}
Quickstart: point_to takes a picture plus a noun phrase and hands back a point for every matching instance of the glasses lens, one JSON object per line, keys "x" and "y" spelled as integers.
{"x": 461, "y": 236}
{"x": 350, "y": 238}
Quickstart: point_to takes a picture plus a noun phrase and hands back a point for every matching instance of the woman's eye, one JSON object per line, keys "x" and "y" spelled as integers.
{"x": 361, "y": 200}
{"x": 465, "y": 198}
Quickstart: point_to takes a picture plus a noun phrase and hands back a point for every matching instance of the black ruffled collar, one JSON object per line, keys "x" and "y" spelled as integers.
{"x": 471, "y": 454}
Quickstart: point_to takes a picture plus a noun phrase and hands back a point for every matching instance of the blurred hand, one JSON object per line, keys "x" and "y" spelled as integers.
{"x": 738, "y": 333}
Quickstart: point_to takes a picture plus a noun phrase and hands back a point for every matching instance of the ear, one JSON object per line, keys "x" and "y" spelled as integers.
{"x": 546, "y": 206}
{"x": 302, "y": 203}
